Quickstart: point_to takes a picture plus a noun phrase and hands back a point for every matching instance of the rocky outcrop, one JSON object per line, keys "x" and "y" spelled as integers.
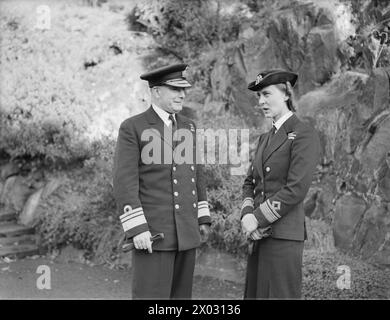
{"x": 22, "y": 195}
{"x": 352, "y": 115}
{"x": 349, "y": 108}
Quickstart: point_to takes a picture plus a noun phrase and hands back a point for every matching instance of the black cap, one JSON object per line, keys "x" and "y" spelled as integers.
{"x": 266, "y": 78}
{"x": 169, "y": 75}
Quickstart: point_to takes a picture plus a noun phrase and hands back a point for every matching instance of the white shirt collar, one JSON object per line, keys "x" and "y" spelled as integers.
{"x": 163, "y": 115}
{"x": 282, "y": 120}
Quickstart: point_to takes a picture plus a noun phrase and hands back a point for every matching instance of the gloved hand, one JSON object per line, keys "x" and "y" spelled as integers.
{"x": 142, "y": 241}
{"x": 261, "y": 233}
{"x": 249, "y": 224}
{"x": 204, "y": 232}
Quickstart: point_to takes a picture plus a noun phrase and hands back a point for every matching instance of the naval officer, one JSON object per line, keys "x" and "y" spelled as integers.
{"x": 163, "y": 195}
{"x": 274, "y": 189}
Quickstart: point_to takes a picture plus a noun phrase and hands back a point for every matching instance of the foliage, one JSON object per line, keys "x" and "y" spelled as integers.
{"x": 43, "y": 111}
{"x": 83, "y": 210}
{"x": 362, "y": 48}
{"x": 320, "y": 275}
{"x": 191, "y": 31}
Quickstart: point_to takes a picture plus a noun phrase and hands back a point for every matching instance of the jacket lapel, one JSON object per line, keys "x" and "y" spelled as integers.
{"x": 259, "y": 154}
{"x": 280, "y": 137}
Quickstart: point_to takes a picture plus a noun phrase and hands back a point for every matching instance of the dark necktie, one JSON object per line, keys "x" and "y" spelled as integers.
{"x": 174, "y": 127}
{"x": 272, "y": 133}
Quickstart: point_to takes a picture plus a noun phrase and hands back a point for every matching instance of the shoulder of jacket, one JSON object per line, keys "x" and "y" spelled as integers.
{"x": 129, "y": 122}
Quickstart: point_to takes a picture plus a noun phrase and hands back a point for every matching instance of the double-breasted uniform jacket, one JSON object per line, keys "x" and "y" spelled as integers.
{"x": 159, "y": 195}
{"x": 279, "y": 178}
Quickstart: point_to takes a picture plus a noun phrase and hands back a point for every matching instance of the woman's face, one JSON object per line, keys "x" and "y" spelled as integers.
{"x": 272, "y": 101}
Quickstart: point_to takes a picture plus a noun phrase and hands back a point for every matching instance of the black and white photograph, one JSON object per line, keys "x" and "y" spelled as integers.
{"x": 195, "y": 150}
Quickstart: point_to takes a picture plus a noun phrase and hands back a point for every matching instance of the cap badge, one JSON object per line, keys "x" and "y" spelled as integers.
{"x": 258, "y": 79}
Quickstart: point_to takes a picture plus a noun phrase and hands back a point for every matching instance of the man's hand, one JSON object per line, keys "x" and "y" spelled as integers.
{"x": 249, "y": 224}
{"x": 204, "y": 232}
{"x": 142, "y": 241}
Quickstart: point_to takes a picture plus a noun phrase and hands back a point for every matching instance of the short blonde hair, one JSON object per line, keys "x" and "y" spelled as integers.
{"x": 288, "y": 90}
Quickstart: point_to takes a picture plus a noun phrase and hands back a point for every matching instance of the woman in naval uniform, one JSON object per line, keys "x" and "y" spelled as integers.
{"x": 272, "y": 214}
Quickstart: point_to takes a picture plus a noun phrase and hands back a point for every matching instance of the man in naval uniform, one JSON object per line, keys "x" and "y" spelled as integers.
{"x": 159, "y": 192}
{"x": 274, "y": 189}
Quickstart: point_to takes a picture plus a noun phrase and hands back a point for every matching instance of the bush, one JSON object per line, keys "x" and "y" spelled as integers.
{"x": 83, "y": 210}
{"x": 43, "y": 109}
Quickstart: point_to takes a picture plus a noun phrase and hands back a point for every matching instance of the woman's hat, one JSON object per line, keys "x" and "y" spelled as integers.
{"x": 266, "y": 78}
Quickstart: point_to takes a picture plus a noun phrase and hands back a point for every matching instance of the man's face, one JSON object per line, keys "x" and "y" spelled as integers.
{"x": 171, "y": 99}
{"x": 272, "y": 102}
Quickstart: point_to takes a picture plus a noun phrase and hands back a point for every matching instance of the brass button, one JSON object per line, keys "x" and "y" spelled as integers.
{"x": 268, "y": 169}
{"x": 194, "y": 205}
{"x": 252, "y": 168}
{"x": 192, "y": 179}
{"x": 174, "y": 168}
{"x": 193, "y": 192}
{"x": 192, "y": 168}
{"x": 174, "y": 181}
{"x": 254, "y": 181}
{"x": 177, "y": 206}
{"x": 176, "y": 193}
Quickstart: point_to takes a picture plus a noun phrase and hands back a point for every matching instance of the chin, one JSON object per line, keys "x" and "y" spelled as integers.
{"x": 177, "y": 108}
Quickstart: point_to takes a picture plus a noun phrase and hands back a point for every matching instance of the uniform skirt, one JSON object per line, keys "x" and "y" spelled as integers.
{"x": 274, "y": 270}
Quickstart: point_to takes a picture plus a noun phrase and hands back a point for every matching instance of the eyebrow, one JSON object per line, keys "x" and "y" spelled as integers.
{"x": 263, "y": 92}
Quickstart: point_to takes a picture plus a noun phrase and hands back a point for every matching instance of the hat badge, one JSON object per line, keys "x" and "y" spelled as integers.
{"x": 258, "y": 79}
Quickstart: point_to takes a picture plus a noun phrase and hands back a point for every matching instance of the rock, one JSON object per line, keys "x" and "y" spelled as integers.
{"x": 15, "y": 193}
{"x": 8, "y": 170}
{"x": 384, "y": 179}
{"x": 28, "y": 214}
{"x": 372, "y": 239}
{"x": 50, "y": 187}
{"x": 349, "y": 211}
{"x": 319, "y": 235}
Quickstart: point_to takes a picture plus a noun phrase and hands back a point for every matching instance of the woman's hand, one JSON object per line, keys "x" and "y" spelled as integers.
{"x": 249, "y": 224}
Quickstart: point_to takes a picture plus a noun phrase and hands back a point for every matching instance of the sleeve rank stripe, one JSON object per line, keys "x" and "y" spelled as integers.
{"x": 267, "y": 213}
{"x": 132, "y": 217}
{"x": 273, "y": 209}
{"x": 137, "y": 221}
{"x": 203, "y": 206}
{"x": 130, "y": 213}
{"x": 203, "y": 203}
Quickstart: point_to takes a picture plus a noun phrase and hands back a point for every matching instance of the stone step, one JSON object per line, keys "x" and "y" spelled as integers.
{"x": 13, "y": 229}
{"x": 19, "y": 251}
{"x": 23, "y": 239}
{"x": 6, "y": 217}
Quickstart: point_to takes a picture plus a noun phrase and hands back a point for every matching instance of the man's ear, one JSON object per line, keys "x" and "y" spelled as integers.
{"x": 156, "y": 91}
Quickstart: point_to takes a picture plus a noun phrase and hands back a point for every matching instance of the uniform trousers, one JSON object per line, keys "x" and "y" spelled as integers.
{"x": 274, "y": 270}
{"x": 163, "y": 274}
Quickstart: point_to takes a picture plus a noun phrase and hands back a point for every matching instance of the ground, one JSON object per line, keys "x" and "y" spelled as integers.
{"x": 217, "y": 276}
{"x": 72, "y": 280}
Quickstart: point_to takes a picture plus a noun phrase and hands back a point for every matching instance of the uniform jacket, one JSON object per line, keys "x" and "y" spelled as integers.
{"x": 279, "y": 179}
{"x": 160, "y": 195}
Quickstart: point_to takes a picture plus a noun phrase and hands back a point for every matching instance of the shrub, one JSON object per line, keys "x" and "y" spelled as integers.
{"x": 43, "y": 109}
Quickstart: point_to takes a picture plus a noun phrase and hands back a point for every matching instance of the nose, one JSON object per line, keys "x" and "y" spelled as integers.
{"x": 261, "y": 99}
{"x": 182, "y": 92}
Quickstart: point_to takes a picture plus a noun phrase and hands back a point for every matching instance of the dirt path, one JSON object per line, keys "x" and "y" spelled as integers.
{"x": 71, "y": 280}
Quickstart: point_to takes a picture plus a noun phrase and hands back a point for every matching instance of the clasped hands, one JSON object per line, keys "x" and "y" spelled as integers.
{"x": 250, "y": 228}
